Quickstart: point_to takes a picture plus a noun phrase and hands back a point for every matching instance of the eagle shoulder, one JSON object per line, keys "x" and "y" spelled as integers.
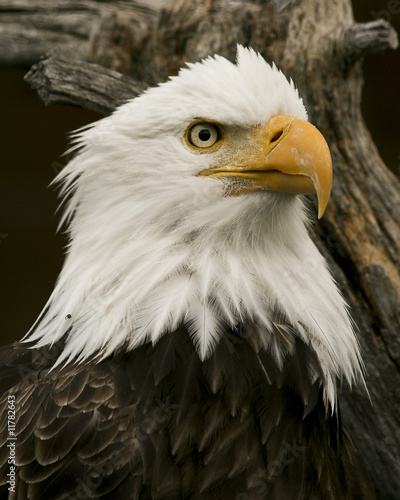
{"x": 157, "y": 422}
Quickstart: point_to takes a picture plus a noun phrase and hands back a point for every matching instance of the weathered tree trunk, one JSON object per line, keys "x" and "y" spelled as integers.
{"x": 317, "y": 43}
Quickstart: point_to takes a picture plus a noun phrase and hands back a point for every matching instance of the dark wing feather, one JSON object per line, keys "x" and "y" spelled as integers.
{"x": 163, "y": 359}
{"x": 157, "y": 423}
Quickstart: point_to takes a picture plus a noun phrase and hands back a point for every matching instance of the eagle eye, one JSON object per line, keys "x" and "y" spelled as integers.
{"x": 203, "y": 135}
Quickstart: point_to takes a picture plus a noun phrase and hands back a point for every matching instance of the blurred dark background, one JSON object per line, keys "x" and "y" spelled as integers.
{"x": 33, "y": 138}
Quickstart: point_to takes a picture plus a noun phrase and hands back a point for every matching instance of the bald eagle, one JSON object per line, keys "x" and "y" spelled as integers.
{"x": 194, "y": 342}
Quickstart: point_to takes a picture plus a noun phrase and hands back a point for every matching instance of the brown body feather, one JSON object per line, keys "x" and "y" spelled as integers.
{"x": 157, "y": 423}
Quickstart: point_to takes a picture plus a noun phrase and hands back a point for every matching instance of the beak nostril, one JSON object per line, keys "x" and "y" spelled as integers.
{"x": 276, "y": 136}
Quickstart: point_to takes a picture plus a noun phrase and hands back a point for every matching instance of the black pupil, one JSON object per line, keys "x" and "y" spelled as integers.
{"x": 204, "y": 135}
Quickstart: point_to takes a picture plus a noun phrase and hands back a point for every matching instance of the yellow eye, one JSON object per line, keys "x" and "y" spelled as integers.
{"x": 203, "y": 135}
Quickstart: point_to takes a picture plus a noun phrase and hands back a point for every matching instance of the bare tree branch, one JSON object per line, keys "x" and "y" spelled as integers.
{"x": 60, "y": 80}
{"x": 361, "y": 39}
{"x": 31, "y": 28}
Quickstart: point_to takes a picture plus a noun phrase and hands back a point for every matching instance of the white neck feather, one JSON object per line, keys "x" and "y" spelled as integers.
{"x": 125, "y": 288}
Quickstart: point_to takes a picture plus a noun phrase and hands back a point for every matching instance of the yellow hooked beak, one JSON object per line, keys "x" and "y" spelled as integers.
{"x": 287, "y": 154}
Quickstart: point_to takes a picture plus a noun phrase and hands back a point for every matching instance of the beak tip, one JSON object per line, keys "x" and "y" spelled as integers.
{"x": 322, "y": 204}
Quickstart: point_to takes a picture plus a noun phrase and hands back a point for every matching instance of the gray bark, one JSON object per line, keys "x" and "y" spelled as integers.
{"x": 60, "y": 80}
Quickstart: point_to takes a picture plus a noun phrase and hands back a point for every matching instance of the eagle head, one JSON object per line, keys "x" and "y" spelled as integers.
{"x": 183, "y": 209}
